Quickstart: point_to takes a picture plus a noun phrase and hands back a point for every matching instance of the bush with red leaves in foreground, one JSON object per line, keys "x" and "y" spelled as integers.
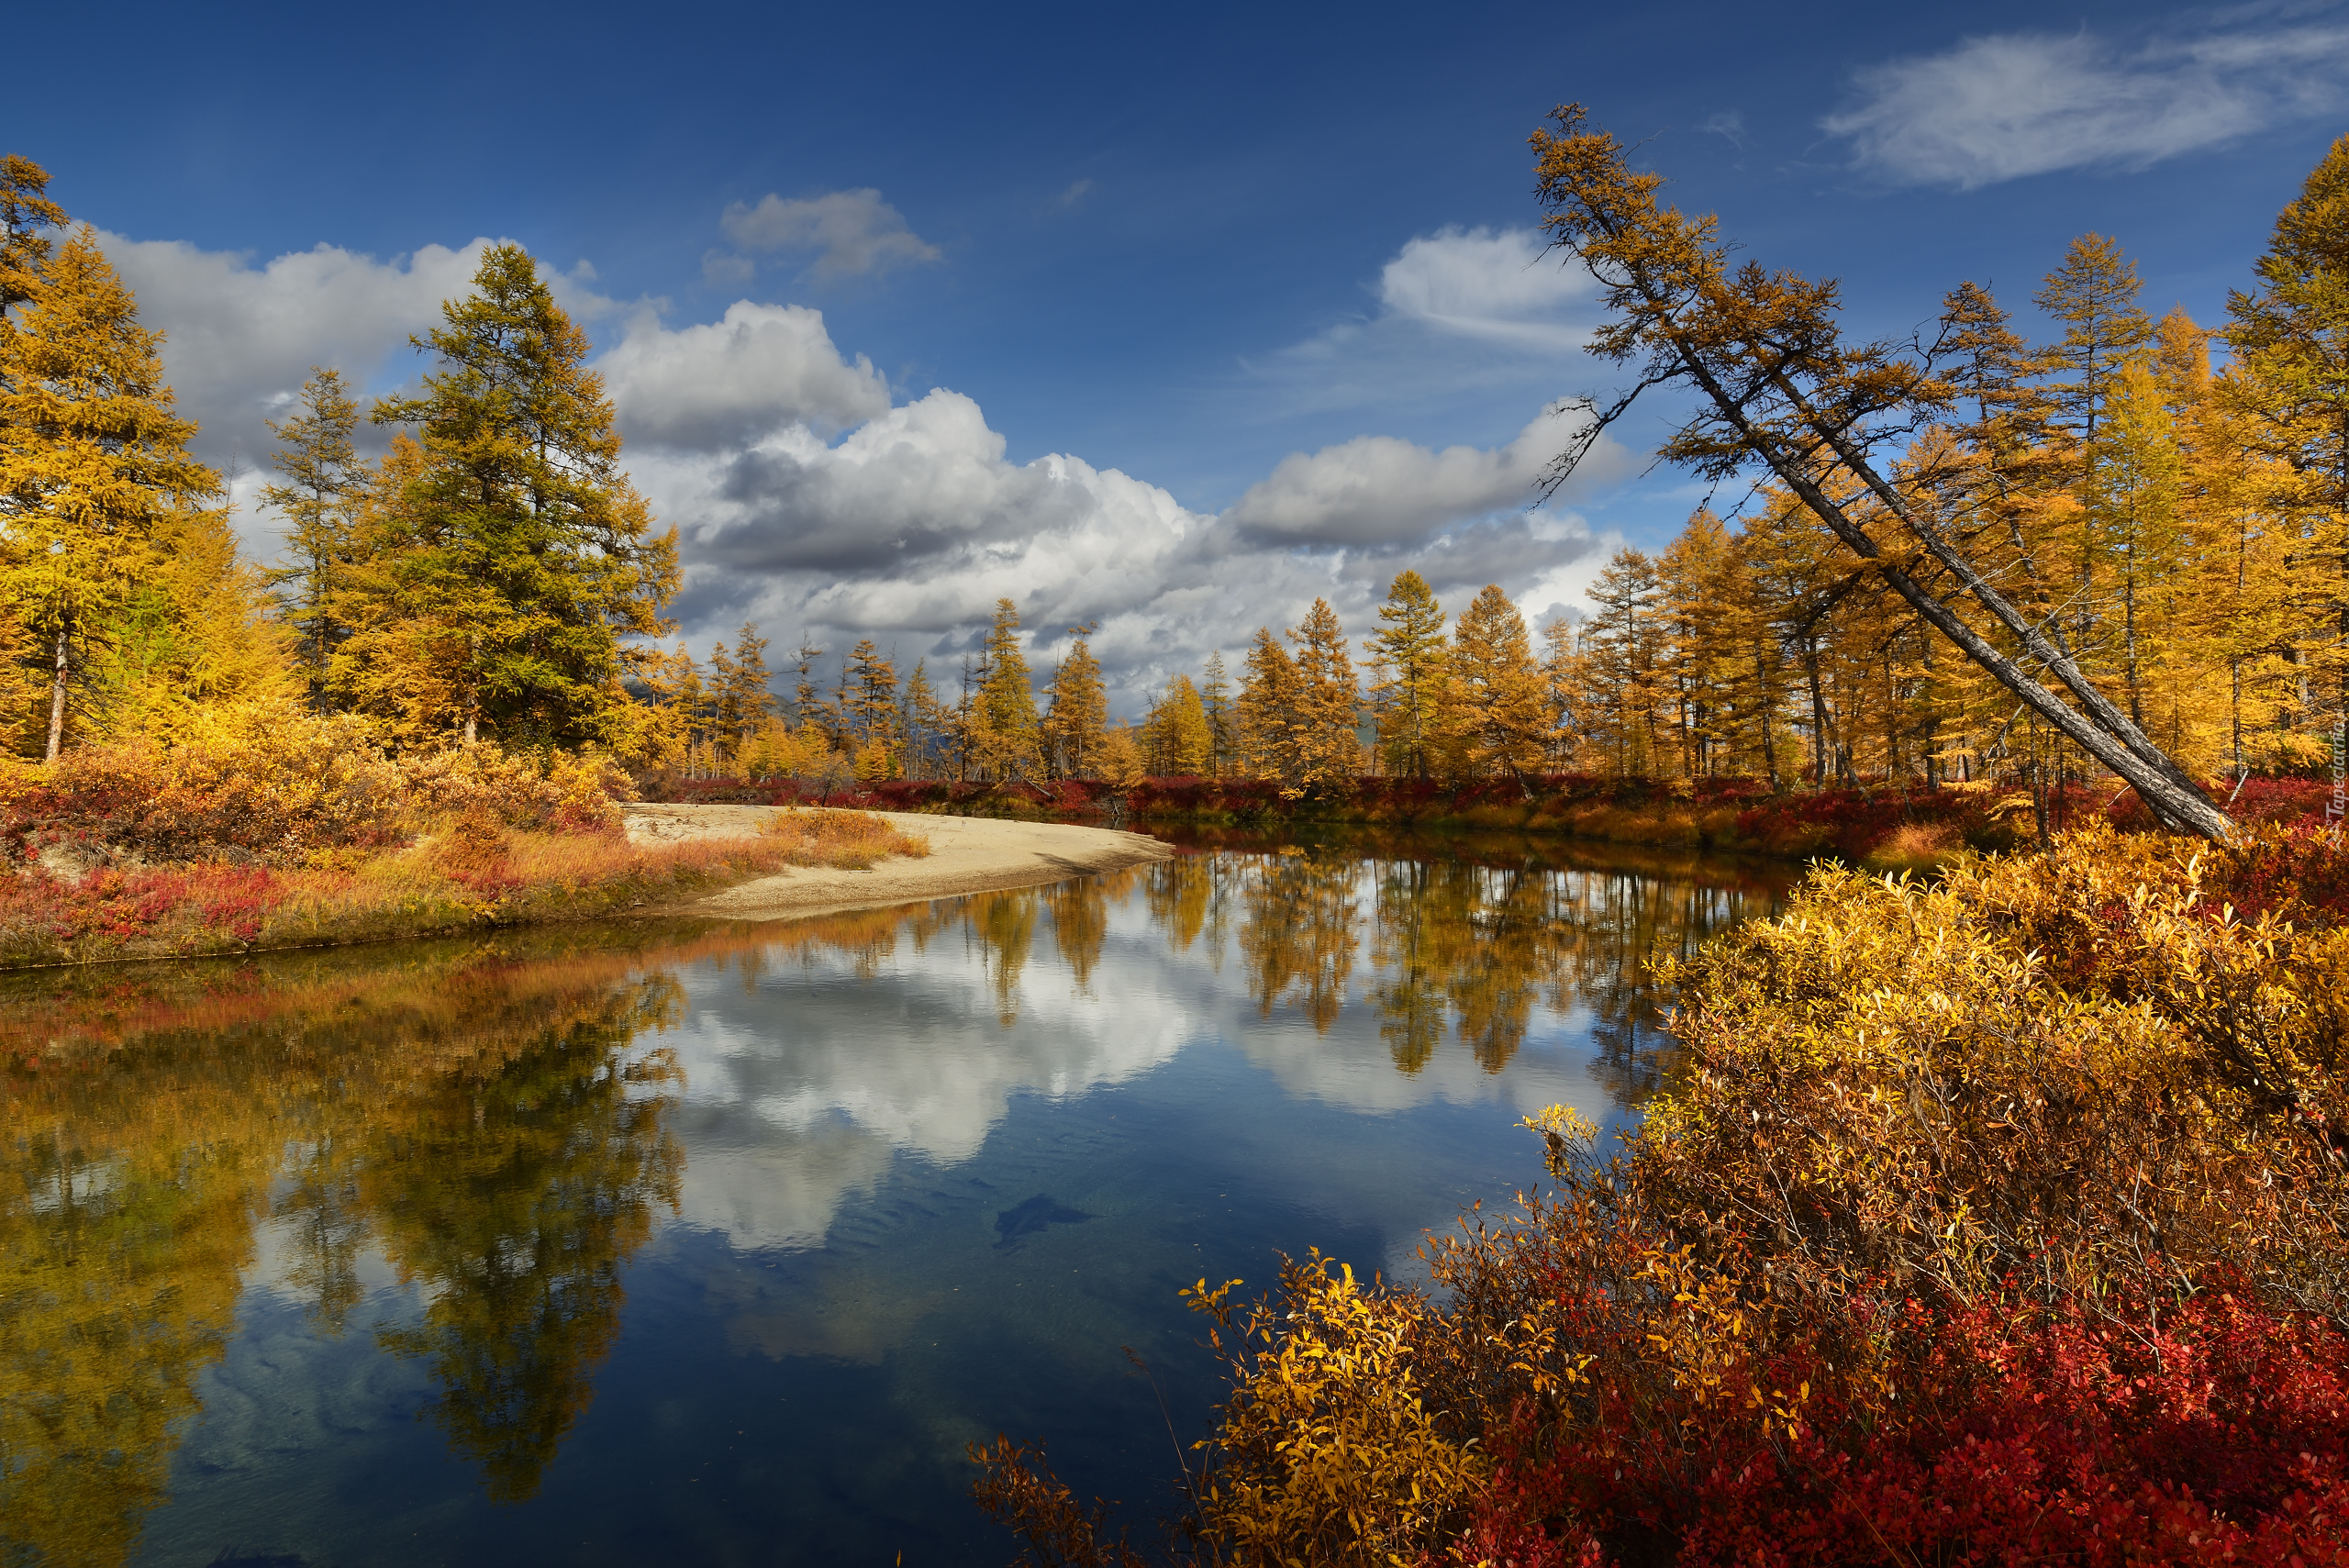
{"x": 2004, "y": 1220}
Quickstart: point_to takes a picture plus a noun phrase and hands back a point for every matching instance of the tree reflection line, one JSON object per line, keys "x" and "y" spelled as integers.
{"x": 494, "y": 1126}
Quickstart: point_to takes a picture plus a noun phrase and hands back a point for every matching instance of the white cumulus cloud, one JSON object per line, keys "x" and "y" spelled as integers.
{"x": 2006, "y": 105}
{"x": 851, "y": 233}
{"x": 726, "y": 383}
{"x": 1498, "y": 285}
{"x": 241, "y": 338}
{"x": 1380, "y": 490}
{"x": 804, "y": 500}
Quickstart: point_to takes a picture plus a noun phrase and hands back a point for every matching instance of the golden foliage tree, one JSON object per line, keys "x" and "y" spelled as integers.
{"x": 99, "y": 498}
{"x": 1078, "y": 718}
{"x": 1407, "y": 687}
{"x": 1494, "y": 689}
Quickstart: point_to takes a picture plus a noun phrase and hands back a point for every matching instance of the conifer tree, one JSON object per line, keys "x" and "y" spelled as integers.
{"x": 1079, "y": 715}
{"x": 2094, "y": 294}
{"x": 869, "y": 711}
{"x": 323, "y": 485}
{"x": 725, "y": 701}
{"x": 1497, "y": 688}
{"x": 1565, "y": 694}
{"x": 1009, "y": 742}
{"x": 529, "y": 548}
{"x": 1214, "y": 695}
{"x": 677, "y": 689}
{"x": 1265, "y": 713}
{"x": 1780, "y": 385}
{"x": 1410, "y": 651}
{"x": 26, "y": 215}
{"x": 1624, "y": 644}
{"x": 1704, "y": 657}
{"x": 95, "y": 471}
{"x": 2290, "y": 335}
{"x": 928, "y": 721}
{"x": 406, "y": 672}
{"x": 748, "y": 695}
{"x": 809, "y": 708}
{"x": 1181, "y": 744}
{"x": 1327, "y": 748}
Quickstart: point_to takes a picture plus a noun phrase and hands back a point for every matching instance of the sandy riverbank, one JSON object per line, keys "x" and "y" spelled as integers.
{"x": 968, "y": 854}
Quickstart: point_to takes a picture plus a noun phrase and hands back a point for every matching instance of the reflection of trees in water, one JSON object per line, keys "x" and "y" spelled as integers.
{"x": 1003, "y": 925}
{"x": 1625, "y": 923}
{"x": 1080, "y": 910}
{"x": 119, "y": 1263}
{"x": 1297, "y": 931}
{"x": 516, "y": 1200}
{"x": 1461, "y": 945}
{"x": 1474, "y": 945}
{"x": 490, "y": 1133}
{"x": 472, "y": 1112}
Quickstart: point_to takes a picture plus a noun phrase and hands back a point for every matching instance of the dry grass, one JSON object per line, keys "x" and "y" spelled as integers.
{"x": 850, "y": 840}
{"x": 473, "y": 874}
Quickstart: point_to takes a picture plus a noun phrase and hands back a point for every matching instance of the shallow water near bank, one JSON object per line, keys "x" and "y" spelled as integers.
{"x": 720, "y": 1244}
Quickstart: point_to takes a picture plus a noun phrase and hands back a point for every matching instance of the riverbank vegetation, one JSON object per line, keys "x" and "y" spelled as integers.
{"x": 1996, "y": 1218}
{"x": 417, "y": 722}
{"x": 2007, "y": 560}
{"x": 304, "y": 832}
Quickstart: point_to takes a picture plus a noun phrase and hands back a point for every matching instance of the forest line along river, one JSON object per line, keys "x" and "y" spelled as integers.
{"x": 718, "y": 1243}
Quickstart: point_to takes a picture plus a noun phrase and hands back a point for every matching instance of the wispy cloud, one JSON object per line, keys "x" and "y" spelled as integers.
{"x": 1458, "y": 310}
{"x": 851, "y": 233}
{"x": 2011, "y": 105}
{"x": 1076, "y": 193}
{"x": 1727, "y": 123}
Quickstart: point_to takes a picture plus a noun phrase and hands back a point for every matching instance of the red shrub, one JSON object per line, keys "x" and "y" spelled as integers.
{"x": 2113, "y": 1433}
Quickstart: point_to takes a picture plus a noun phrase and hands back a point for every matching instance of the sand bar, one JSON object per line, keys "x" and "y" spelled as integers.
{"x": 968, "y": 854}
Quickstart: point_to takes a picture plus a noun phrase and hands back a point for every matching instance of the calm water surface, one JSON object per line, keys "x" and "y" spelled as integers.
{"x": 718, "y": 1245}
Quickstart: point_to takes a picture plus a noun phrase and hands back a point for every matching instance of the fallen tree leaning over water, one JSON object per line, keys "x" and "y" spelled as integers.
{"x": 2001, "y": 1220}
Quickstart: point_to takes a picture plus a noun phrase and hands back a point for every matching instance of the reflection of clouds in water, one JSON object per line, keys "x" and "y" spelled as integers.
{"x": 802, "y": 1088}
{"x": 806, "y": 1079}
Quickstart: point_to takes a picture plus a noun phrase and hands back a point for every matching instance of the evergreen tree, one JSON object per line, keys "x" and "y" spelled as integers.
{"x": 528, "y": 547}
{"x": 95, "y": 473}
{"x": 2094, "y": 294}
{"x": 809, "y": 708}
{"x": 1079, "y": 715}
{"x": 323, "y": 485}
{"x": 1410, "y": 650}
{"x": 724, "y": 702}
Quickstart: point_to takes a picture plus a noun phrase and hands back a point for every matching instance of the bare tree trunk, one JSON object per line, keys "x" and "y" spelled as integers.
{"x": 57, "y": 699}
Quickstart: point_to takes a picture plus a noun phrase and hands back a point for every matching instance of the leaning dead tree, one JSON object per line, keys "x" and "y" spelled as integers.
{"x": 1779, "y": 386}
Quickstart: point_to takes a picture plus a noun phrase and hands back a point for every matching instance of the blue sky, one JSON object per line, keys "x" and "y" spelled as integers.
{"x": 1225, "y": 283}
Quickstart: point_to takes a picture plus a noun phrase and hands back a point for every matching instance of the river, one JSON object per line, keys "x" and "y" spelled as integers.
{"x": 704, "y": 1243}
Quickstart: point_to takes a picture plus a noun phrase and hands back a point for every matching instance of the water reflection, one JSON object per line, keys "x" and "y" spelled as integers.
{"x": 454, "y": 1152}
